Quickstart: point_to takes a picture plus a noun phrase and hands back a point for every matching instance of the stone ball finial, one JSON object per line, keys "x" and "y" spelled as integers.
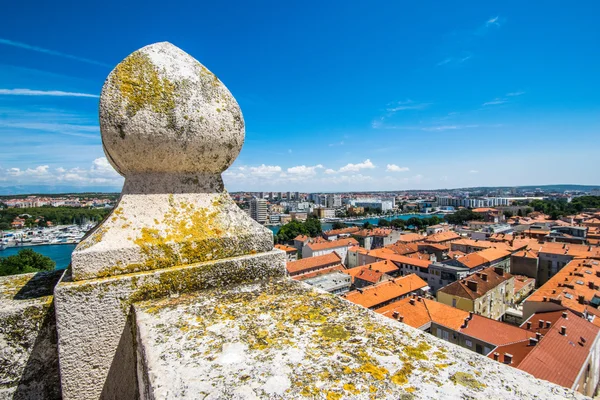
{"x": 161, "y": 111}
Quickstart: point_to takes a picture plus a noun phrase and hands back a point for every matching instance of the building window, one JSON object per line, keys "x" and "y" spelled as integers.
{"x": 453, "y": 302}
{"x": 445, "y": 335}
{"x": 468, "y": 343}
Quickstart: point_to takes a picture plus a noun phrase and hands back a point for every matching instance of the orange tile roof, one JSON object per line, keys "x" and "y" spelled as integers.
{"x": 424, "y": 311}
{"x": 436, "y": 246}
{"x": 342, "y": 231}
{"x": 403, "y": 248}
{"x": 410, "y": 237}
{"x": 348, "y": 242}
{"x": 580, "y": 277}
{"x": 493, "y": 254}
{"x": 287, "y": 249}
{"x": 560, "y": 358}
{"x": 521, "y": 281}
{"x": 396, "y": 258}
{"x": 574, "y": 250}
{"x": 307, "y": 275}
{"x": 442, "y": 237}
{"x": 382, "y": 266}
{"x": 461, "y": 288}
{"x": 484, "y": 210}
{"x": 495, "y": 332}
{"x": 373, "y": 232}
{"x": 306, "y": 264}
{"x": 373, "y": 296}
{"x": 302, "y": 238}
{"x": 528, "y": 253}
{"x": 472, "y": 260}
{"x": 369, "y": 275}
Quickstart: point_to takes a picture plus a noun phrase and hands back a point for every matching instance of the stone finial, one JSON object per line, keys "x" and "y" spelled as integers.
{"x": 161, "y": 111}
{"x": 170, "y": 127}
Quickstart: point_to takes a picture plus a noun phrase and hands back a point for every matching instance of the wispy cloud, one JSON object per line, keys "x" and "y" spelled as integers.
{"x": 512, "y": 94}
{"x": 396, "y": 168}
{"x": 455, "y": 60}
{"x": 50, "y": 52}
{"x": 367, "y": 164}
{"x": 407, "y": 105}
{"x": 31, "y": 92}
{"x": 493, "y": 21}
{"x": 496, "y": 101}
{"x": 336, "y": 144}
{"x": 447, "y": 127}
{"x": 473, "y": 171}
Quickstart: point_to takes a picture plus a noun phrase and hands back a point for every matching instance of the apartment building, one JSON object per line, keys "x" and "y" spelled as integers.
{"x": 258, "y": 210}
{"x": 488, "y": 293}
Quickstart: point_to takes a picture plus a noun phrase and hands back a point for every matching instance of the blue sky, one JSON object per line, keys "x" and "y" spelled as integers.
{"x": 337, "y": 96}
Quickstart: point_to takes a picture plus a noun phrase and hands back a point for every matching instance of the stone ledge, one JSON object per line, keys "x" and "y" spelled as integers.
{"x": 100, "y": 309}
{"x": 284, "y": 339}
{"x": 28, "y": 344}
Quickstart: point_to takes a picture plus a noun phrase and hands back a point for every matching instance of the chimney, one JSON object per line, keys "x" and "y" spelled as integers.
{"x": 484, "y": 277}
{"x": 548, "y": 324}
{"x": 533, "y": 341}
{"x": 401, "y": 318}
{"x": 591, "y": 285}
{"x": 581, "y": 299}
{"x": 563, "y": 330}
{"x": 395, "y": 314}
{"x": 538, "y": 336}
{"x": 528, "y": 325}
{"x": 541, "y": 323}
{"x": 465, "y": 323}
{"x": 412, "y": 302}
{"x": 499, "y": 270}
{"x": 508, "y": 358}
{"x": 471, "y": 315}
{"x": 472, "y": 285}
{"x": 496, "y": 356}
{"x": 419, "y": 298}
{"x": 565, "y": 315}
{"x": 597, "y": 273}
{"x": 545, "y": 298}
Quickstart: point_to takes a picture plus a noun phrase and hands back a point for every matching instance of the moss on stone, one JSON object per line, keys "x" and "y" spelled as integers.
{"x": 139, "y": 83}
{"x": 467, "y": 380}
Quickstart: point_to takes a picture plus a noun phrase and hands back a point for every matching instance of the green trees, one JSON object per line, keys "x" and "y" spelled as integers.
{"x": 338, "y": 225}
{"x": 25, "y": 261}
{"x": 311, "y": 227}
{"x": 367, "y": 225}
{"x": 383, "y": 222}
{"x": 558, "y": 208}
{"x": 57, "y": 215}
{"x": 461, "y": 216}
{"x": 398, "y": 223}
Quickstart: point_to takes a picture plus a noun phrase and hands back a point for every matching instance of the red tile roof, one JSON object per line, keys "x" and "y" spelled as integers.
{"x": 472, "y": 260}
{"x": 461, "y": 288}
{"x": 307, "y": 275}
{"x": 373, "y": 296}
{"x": 384, "y": 266}
{"x": 342, "y": 231}
{"x": 423, "y": 311}
{"x": 442, "y": 237}
{"x": 310, "y": 263}
{"x": 333, "y": 244}
{"x": 495, "y": 332}
{"x": 560, "y": 358}
{"x": 287, "y": 249}
{"x": 410, "y": 237}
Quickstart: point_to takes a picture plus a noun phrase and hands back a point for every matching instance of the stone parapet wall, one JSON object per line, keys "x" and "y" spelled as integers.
{"x": 28, "y": 342}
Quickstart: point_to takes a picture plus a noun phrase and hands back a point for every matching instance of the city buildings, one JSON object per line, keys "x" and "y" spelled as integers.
{"x": 381, "y": 294}
{"x": 487, "y": 293}
{"x": 258, "y": 210}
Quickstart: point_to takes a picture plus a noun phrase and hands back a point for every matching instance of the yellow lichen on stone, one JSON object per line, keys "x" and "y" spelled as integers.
{"x": 139, "y": 83}
{"x": 467, "y": 380}
{"x": 376, "y": 372}
{"x": 334, "y": 332}
{"x": 401, "y": 376}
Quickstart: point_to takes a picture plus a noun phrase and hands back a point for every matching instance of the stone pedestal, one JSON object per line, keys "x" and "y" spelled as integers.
{"x": 171, "y": 128}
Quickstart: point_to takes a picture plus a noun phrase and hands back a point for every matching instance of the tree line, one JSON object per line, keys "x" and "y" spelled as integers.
{"x": 561, "y": 208}
{"x": 311, "y": 227}
{"x": 56, "y": 215}
{"x": 25, "y": 261}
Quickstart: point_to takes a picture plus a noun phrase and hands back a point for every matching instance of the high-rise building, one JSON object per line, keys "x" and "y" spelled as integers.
{"x": 289, "y": 196}
{"x": 258, "y": 210}
{"x": 297, "y": 195}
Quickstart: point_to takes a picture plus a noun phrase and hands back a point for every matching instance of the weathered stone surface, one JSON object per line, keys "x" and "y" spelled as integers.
{"x": 28, "y": 344}
{"x": 95, "y": 327}
{"x": 170, "y": 127}
{"x": 281, "y": 339}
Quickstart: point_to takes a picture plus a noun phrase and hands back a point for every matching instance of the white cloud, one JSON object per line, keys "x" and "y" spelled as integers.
{"x": 304, "y": 170}
{"x": 330, "y": 171}
{"x": 336, "y": 144}
{"x": 395, "y": 168}
{"x": 50, "y": 52}
{"x": 492, "y": 21}
{"x": 473, "y": 171}
{"x": 265, "y": 170}
{"x": 99, "y": 173}
{"x": 31, "y": 92}
{"x": 447, "y": 127}
{"x": 519, "y": 93}
{"x": 407, "y": 105}
{"x": 496, "y": 101}
{"x": 367, "y": 164}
